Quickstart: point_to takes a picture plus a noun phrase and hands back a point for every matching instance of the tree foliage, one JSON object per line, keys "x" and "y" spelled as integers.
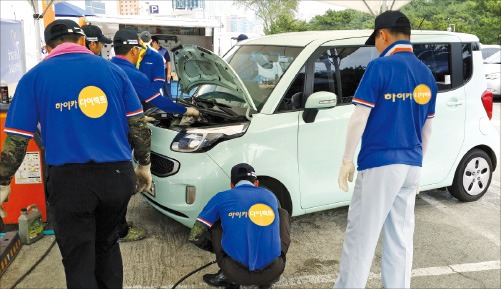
{"x": 273, "y": 12}
{"x": 478, "y": 17}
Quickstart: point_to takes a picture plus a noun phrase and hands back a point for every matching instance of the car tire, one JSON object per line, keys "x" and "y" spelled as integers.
{"x": 473, "y": 176}
{"x": 284, "y": 200}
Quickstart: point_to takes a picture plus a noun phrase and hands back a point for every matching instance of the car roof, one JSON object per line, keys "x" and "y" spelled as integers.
{"x": 302, "y": 39}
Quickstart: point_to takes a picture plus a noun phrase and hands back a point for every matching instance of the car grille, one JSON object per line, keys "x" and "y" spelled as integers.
{"x": 162, "y": 166}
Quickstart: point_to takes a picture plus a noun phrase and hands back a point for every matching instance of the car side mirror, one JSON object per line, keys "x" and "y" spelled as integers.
{"x": 321, "y": 99}
{"x": 316, "y": 101}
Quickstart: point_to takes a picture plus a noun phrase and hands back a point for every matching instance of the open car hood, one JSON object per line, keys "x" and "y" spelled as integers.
{"x": 196, "y": 66}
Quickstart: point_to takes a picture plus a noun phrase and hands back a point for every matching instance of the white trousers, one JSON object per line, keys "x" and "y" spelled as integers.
{"x": 384, "y": 198}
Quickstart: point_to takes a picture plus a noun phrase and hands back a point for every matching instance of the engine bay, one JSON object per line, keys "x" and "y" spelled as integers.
{"x": 212, "y": 113}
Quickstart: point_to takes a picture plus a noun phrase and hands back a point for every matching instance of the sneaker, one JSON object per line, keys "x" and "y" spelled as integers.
{"x": 135, "y": 234}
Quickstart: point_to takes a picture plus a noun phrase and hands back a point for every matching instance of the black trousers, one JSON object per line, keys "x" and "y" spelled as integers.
{"x": 88, "y": 202}
{"x": 238, "y": 272}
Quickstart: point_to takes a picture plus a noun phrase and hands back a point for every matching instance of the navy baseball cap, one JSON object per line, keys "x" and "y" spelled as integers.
{"x": 61, "y": 27}
{"x": 388, "y": 19}
{"x": 126, "y": 36}
{"x": 95, "y": 34}
{"x": 242, "y": 171}
{"x": 240, "y": 37}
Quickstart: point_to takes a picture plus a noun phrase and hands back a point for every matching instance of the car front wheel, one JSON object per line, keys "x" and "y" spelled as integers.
{"x": 473, "y": 176}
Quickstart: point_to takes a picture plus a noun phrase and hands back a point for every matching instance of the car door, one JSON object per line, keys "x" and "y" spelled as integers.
{"x": 446, "y": 64}
{"x": 321, "y": 141}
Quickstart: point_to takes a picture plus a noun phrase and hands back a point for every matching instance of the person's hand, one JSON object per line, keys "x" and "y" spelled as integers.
{"x": 346, "y": 172}
{"x": 191, "y": 111}
{"x": 149, "y": 118}
{"x": 4, "y": 196}
{"x": 143, "y": 175}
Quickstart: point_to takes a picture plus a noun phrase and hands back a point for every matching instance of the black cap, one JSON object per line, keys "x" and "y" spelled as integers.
{"x": 126, "y": 36}
{"x": 61, "y": 27}
{"x": 240, "y": 37}
{"x": 388, "y": 19}
{"x": 242, "y": 171}
{"x": 145, "y": 36}
{"x": 95, "y": 34}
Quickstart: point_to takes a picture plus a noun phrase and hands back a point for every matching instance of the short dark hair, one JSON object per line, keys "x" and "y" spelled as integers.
{"x": 154, "y": 39}
{"x": 123, "y": 49}
{"x": 406, "y": 31}
{"x": 74, "y": 38}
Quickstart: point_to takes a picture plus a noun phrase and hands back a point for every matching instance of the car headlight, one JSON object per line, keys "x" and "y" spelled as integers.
{"x": 201, "y": 140}
{"x": 492, "y": 76}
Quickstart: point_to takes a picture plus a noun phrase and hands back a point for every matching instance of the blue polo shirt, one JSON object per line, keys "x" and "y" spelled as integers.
{"x": 152, "y": 65}
{"x": 144, "y": 88}
{"x": 402, "y": 93}
{"x": 250, "y": 221}
{"x": 82, "y": 103}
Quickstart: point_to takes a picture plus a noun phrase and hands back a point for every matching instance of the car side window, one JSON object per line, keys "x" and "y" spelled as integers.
{"x": 467, "y": 62}
{"x": 437, "y": 57}
{"x": 293, "y": 98}
{"x": 340, "y": 69}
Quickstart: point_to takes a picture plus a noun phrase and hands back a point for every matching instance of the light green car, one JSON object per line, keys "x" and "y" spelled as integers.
{"x": 282, "y": 103}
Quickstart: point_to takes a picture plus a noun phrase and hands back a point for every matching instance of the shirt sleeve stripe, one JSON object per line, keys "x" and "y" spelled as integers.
{"x": 204, "y": 222}
{"x": 153, "y": 97}
{"x": 366, "y": 103}
{"x": 431, "y": 115}
{"x": 158, "y": 79}
{"x": 134, "y": 113}
{"x": 18, "y": 132}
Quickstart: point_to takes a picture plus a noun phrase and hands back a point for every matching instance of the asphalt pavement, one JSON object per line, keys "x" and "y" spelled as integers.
{"x": 456, "y": 245}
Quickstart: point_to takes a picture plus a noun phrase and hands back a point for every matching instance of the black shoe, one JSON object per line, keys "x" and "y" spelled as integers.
{"x": 219, "y": 280}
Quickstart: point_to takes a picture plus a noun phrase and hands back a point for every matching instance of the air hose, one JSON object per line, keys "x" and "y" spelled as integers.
{"x": 192, "y": 272}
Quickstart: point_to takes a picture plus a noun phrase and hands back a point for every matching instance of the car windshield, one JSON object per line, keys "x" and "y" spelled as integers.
{"x": 260, "y": 67}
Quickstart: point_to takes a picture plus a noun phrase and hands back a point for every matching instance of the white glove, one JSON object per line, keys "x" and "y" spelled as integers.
{"x": 149, "y": 118}
{"x": 191, "y": 111}
{"x": 4, "y": 196}
{"x": 346, "y": 172}
{"x": 143, "y": 175}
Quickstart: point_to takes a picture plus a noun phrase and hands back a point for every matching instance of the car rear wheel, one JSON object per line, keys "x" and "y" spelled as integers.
{"x": 473, "y": 176}
{"x": 279, "y": 191}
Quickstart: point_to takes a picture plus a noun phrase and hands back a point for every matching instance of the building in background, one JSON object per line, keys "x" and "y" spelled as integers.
{"x": 95, "y": 6}
{"x": 129, "y": 7}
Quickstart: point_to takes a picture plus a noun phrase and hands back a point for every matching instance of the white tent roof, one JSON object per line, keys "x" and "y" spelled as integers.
{"x": 374, "y": 7}
{"x": 152, "y": 21}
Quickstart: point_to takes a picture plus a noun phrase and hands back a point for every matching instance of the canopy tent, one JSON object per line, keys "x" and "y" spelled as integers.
{"x": 374, "y": 7}
{"x": 64, "y": 9}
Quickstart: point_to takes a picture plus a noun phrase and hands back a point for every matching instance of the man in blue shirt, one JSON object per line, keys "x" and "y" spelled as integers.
{"x": 395, "y": 105}
{"x": 151, "y": 63}
{"x": 247, "y": 231}
{"x": 88, "y": 112}
{"x": 167, "y": 66}
{"x": 126, "y": 57}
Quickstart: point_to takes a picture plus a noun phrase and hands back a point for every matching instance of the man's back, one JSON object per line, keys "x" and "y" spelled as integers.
{"x": 84, "y": 121}
{"x": 251, "y": 226}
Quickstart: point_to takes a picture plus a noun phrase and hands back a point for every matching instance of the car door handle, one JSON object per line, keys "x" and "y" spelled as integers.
{"x": 455, "y": 102}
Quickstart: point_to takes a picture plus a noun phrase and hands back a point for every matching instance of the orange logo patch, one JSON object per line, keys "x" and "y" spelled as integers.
{"x": 261, "y": 215}
{"x": 422, "y": 94}
{"x": 92, "y": 101}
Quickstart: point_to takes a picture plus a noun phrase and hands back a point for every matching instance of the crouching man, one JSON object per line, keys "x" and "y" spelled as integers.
{"x": 247, "y": 230}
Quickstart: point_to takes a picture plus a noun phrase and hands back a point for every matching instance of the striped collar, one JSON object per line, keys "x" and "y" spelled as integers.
{"x": 396, "y": 47}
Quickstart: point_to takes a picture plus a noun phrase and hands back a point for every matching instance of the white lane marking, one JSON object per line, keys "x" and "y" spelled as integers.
{"x": 458, "y": 268}
{"x": 491, "y": 237}
{"x": 330, "y": 278}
